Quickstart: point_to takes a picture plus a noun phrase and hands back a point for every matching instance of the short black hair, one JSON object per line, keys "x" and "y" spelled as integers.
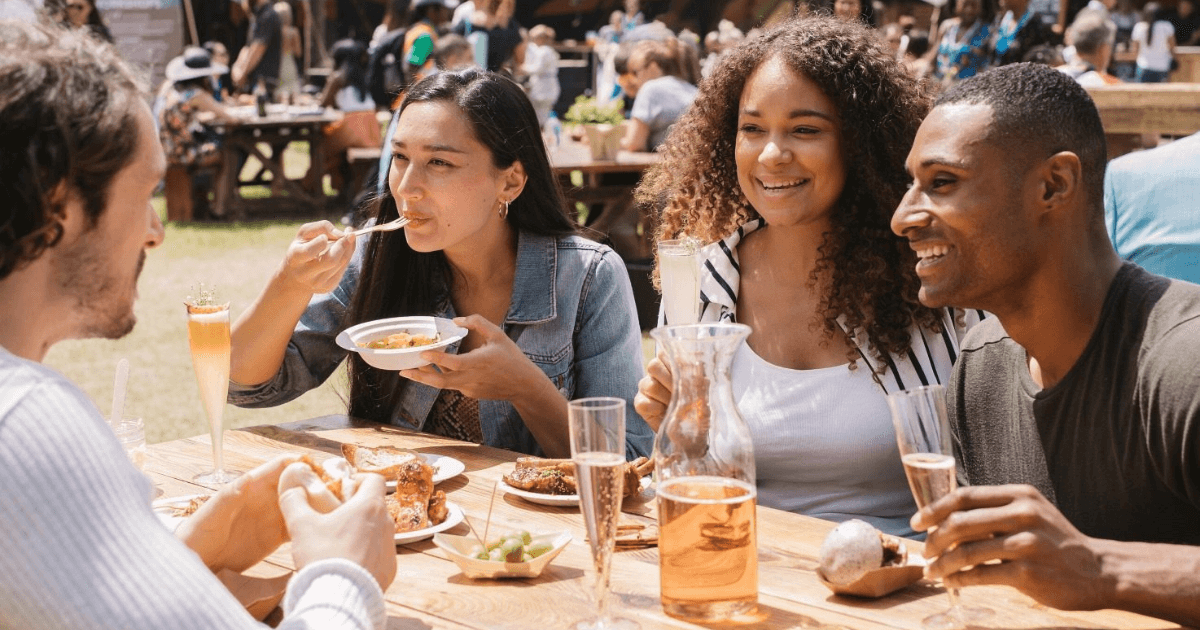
{"x": 67, "y": 105}
{"x": 1038, "y": 111}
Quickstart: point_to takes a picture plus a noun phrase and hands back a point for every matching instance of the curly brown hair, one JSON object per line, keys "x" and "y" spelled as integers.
{"x": 869, "y": 272}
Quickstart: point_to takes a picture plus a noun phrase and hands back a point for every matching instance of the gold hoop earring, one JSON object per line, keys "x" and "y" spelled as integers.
{"x": 504, "y": 210}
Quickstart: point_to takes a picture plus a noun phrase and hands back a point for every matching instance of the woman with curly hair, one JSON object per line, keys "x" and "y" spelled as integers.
{"x": 789, "y": 165}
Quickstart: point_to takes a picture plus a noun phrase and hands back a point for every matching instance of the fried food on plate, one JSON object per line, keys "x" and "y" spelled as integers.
{"x": 557, "y": 476}
{"x": 381, "y": 460}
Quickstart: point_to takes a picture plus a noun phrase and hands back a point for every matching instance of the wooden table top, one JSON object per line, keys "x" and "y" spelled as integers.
{"x": 431, "y": 593}
{"x": 572, "y": 155}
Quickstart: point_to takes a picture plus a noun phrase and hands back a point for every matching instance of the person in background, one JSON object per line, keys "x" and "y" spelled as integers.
{"x": 424, "y": 23}
{"x": 394, "y": 18}
{"x": 453, "y": 52}
{"x": 220, "y": 57}
{"x": 854, "y": 11}
{"x": 260, "y": 59}
{"x": 184, "y": 100}
{"x": 462, "y": 13}
{"x": 1153, "y": 43}
{"x": 91, "y": 552}
{"x": 1092, "y": 34}
{"x": 662, "y": 96}
{"x": 1186, "y": 20}
{"x": 1125, "y": 17}
{"x": 550, "y": 314}
{"x": 963, "y": 43}
{"x": 83, "y": 14}
{"x": 347, "y": 91}
{"x": 290, "y": 51}
{"x": 717, "y": 42}
{"x": 1075, "y": 411}
{"x": 611, "y": 33}
{"x": 787, "y": 168}
{"x": 495, "y": 36}
{"x": 1017, "y": 31}
{"x": 541, "y": 65}
{"x": 1150, "y": 208}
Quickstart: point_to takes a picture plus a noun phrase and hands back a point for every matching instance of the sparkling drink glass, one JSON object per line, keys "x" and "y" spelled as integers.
{"x": 597, "y": 427}
{"x": 923, "y": 435}
{"x": 679, "y": 276}
{"x": 208, "y": 338}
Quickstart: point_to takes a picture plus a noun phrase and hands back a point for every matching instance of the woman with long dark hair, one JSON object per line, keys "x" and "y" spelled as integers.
{"x": 550, "y": 313}
{"x": 787, "y": 167}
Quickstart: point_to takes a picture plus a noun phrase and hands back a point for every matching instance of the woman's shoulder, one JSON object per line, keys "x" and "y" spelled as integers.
{"x": 578, "y": 245}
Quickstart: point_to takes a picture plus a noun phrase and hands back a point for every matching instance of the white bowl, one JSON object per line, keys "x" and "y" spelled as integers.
{"x": 457, "y": 547}
{"x": 403, "y": 358}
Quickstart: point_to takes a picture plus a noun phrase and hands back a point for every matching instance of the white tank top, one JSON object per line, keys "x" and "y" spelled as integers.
{"x": 823, "y": 442}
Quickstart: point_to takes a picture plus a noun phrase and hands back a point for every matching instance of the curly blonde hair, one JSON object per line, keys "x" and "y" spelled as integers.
{"x": 870, "y": 272}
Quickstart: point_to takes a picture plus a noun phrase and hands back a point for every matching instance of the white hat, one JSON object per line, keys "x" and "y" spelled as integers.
{"x": 192, "y": 64}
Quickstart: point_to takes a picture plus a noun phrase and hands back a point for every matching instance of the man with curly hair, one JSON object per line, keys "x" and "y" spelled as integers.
{"x": 79, "y": 161}
{"x": 786, "y": 169}
{"x": 1081, "y": 394}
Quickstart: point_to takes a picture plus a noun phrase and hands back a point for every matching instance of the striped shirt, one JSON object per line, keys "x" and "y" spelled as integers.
{"x": 81, "y": 547}
{"x": 927, "y": 361}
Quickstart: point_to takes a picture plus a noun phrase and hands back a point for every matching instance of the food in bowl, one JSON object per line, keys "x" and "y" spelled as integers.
{"x": 441, "y": 333}
{"x": 400, "y": 341}
{"x": 460, "y": 549}
{"x": 517, "y": 546}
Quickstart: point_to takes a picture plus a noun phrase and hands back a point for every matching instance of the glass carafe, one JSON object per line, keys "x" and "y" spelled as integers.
{"x": 704, "y": 468}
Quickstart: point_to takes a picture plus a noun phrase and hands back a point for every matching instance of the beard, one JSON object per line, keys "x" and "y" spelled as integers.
{"x": 103, "y": 295}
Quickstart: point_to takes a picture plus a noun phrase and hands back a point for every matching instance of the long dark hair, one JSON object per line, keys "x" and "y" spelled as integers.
{"x": 396, "y": 280}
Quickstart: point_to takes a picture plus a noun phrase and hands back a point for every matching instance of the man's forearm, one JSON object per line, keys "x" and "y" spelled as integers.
{"x": 1154, "y": 579}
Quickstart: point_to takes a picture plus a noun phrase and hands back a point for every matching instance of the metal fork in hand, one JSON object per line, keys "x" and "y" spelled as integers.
{"x": 390, "y": 226}
{"x": 395, "y": 224}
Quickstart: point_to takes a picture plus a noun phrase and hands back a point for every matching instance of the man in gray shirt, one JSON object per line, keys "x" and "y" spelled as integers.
{"x": 1081, "y": 393}
{"x": 662, "y": 96}
{"x": 80, "y": 159}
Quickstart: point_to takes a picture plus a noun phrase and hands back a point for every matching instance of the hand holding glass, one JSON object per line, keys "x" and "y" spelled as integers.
{"x": 923, "y": 435}
{"x": 598, "y": 449}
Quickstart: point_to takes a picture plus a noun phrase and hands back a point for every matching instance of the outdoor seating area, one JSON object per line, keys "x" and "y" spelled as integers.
{"x": 600, "y": 314}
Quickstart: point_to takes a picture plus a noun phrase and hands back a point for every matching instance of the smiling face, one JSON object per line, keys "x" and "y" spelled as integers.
{"x": 443, "y": 178}
{"x": 99, "y": 269}
{"x": 965, "y": 215}
{"x": 788, "y": 147}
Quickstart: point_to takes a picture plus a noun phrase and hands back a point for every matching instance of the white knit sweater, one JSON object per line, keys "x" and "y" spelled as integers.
{"x": 81, "y": 548}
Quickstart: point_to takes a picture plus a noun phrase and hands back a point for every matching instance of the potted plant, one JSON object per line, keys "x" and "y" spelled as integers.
{"x": 601, "y": 123}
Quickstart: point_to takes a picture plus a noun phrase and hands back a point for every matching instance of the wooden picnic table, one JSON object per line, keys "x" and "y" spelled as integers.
{"x": 281, "y": 127}
{"x": 430, "y": 592}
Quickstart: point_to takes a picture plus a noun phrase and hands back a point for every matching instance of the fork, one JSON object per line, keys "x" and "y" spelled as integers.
{"x": 390, "y": 226}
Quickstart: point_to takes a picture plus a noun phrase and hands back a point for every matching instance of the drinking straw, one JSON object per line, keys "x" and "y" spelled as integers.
{"x": 118, "y": 404}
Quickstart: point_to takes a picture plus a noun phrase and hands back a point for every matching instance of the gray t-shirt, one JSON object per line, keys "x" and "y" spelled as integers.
{"x": 1116, "y": 443}
{"x": 659, "y": 103}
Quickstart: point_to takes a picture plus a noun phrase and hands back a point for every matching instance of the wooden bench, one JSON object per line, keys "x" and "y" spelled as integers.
{"x": 1132, "y": 110}
{"x": 362, "y": 162}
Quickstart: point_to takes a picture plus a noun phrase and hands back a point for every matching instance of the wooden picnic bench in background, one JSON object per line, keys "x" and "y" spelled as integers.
{"x": 1132, "y": 110}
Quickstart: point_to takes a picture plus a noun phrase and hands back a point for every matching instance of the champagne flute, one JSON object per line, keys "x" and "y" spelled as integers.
{"x": 923, "y": 435}
{"x": 597, "y": 428}
{"x": 208, "y": 337}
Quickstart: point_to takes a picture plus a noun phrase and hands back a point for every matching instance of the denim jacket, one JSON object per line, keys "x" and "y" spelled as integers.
{"x": 572, "y": 314}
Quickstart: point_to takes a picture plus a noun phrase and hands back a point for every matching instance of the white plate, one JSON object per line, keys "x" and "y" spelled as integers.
{"x": 454, "y": 517}
{"x": 444, "y": 467}
{"x": 558, "y": 500}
